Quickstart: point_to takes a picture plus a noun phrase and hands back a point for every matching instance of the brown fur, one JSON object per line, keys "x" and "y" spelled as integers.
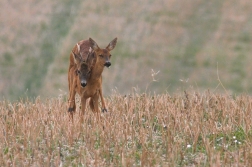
{"x": 80, "y": 70}
{"x": 96, "y": 60}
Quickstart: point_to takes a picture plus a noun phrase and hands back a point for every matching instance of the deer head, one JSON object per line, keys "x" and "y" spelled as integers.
{"x": 83, "y": 69}
{"x": 103, "y": 55}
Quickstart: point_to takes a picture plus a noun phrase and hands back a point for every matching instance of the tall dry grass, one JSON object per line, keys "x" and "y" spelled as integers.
{"x": 188, "y": 129}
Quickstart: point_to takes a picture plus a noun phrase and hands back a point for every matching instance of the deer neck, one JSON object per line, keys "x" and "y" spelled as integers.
{"x": 97, "y": 71}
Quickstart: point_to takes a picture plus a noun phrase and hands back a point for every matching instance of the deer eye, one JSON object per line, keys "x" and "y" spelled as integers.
{"x": 78, "y": 71}
{"x": 101, "y": 56}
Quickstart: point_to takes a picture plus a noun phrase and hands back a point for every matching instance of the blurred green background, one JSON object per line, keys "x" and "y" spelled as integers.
{"x": 163, "y": 45}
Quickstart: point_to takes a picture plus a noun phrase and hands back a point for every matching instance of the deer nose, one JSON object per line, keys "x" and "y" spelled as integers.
{"x": 107, "y": 64}
{"x": 83, "y": 83}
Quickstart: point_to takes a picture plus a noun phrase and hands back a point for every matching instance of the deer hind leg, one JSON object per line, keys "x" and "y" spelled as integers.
{"x": 83, "y": 108}
{"x": 91, "y": 104}
{"x": 94, "y": 105}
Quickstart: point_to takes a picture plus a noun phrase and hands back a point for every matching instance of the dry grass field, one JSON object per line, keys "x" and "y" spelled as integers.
{"x": 181, "y": 39}
{"x": 187, "y": 129}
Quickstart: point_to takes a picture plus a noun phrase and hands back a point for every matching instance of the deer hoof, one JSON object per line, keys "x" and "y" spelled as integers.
{"x": 70, "y": 109}
{"x": 104, "y": 110}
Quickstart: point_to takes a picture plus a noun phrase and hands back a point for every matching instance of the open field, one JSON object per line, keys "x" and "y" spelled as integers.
{"x": 181, "y": 40}
{"x": 163, "y": 46}
{"x": 187, "y": 129}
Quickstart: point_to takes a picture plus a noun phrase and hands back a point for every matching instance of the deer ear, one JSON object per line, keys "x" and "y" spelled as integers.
{"x": 90, "y": 50}
{"x": 77, "y": 59}
{"x": 93, "y": 44}
{"x": 112, "y": 44}
{"x": 78, "y": 47}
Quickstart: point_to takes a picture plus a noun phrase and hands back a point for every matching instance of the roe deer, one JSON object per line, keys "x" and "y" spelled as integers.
{"x": 95, "y": 59}
{"x": 79, "y": 73}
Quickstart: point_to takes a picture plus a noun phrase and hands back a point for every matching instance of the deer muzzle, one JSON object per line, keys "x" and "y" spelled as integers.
{"x": 83, "y": 83}
{"x": 107, "y": 64}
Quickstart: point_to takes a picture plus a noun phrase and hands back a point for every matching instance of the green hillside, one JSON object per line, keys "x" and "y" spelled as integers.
{"x": 163, "y": 46}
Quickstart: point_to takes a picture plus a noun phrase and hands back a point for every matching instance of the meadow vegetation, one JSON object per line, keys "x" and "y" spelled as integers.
{"x": 140, "y": 129}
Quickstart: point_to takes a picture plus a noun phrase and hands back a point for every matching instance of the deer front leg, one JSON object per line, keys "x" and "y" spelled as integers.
{"x": 71, "y": 102}
{"x": 104, "y": 109}
{"x": 83, "y": 108}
